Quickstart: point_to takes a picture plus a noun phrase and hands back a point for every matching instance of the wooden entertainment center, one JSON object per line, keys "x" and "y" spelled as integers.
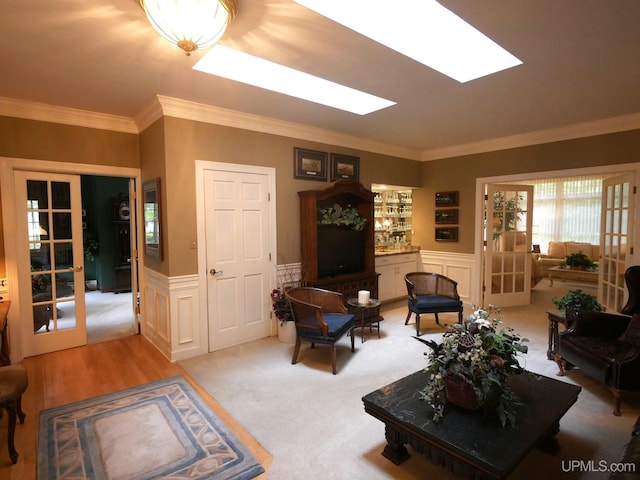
{"x": 336, "y": 257}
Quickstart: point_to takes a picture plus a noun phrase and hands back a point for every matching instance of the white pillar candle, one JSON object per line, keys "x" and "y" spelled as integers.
{"x": 363, "y": 297}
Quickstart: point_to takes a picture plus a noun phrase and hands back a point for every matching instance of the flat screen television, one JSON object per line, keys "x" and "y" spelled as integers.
{"x": 340, "y": 251}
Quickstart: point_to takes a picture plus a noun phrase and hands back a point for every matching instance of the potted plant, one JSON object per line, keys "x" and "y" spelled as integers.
{"x": 577, "y": 300}
{"x": 282, "y": 311}
{"x": 471, "y": 366}
{"x": 579, "y": 261}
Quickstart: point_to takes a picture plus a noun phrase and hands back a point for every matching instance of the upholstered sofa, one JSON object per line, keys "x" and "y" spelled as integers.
{"x": 558, "y": 251}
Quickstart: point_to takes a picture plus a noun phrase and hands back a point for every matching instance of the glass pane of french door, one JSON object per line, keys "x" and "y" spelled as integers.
{"x": 615, "y": 238}
{"x": 54, "y": 260}
{"x": 507, "y": 267}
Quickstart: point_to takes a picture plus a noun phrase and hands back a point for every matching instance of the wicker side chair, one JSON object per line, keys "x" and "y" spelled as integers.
{"x": 321, "y": 317}
{"x": 431, "y": 293}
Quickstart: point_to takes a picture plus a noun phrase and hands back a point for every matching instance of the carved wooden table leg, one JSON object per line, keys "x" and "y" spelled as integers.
{"x": 395, "y": 449}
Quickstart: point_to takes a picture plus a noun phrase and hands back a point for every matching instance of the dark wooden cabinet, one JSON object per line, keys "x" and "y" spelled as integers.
{"x": 335, "y": 257}
{"x": 122, "y": 268}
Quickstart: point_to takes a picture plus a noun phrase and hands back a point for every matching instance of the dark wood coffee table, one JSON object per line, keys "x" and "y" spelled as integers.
{"x": 464, "y": 441}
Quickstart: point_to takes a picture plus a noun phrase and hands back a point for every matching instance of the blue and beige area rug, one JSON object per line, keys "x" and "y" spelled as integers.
{"x": 158, "y": 430}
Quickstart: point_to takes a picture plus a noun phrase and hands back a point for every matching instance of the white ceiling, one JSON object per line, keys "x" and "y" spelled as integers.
{"x": 581, "y": 67}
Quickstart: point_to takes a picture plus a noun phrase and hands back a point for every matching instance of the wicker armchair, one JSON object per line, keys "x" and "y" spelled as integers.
{"x": 431, "y": 293}
{"x": 321, "y": 317}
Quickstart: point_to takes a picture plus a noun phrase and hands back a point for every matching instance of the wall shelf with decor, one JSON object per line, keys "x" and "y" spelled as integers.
{"x": 393, "y": 211}
{"x": 338, "y": 257}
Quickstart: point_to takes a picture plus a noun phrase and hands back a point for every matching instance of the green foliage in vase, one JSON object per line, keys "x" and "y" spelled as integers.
{"x": 342, "y": 216}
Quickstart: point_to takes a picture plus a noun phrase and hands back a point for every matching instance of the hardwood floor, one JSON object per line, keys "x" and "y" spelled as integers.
{"x": 77, "y": 374}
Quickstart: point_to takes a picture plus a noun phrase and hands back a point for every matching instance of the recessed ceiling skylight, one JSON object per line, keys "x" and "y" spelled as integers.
{"x": 242, "y": 67}
{"x": 423, "y": 30}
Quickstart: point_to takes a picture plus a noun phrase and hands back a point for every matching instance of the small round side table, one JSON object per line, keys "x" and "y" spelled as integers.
{"x": 367, "y": 315}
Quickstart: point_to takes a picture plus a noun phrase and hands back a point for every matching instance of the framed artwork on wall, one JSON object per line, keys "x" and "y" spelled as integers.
{"x": 447, "y": 216}
{"x": 344, "y": 167}
{"x": 447, "y": 199}
{"x": 151, "y": 207}
{"x": 448, "y": 234}
{"x": 309, "y": 164}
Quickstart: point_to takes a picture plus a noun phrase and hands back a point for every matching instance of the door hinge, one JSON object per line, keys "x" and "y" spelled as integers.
{"x": 136, "y": 310}
{"x": 133, "y": 195}
{"x": 635, "y": 189}
{"x": 631, "y": 251}
{"x": 269, "y": 256}
{"x": 268, "y": 196}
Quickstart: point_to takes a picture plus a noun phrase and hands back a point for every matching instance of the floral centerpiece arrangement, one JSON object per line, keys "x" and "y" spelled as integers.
{"x": 471, "y": 366}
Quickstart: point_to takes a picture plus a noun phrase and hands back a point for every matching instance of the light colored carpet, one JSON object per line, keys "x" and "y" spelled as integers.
{"x": 314, "y": 424}
{"x": 159, "y": 430}
{"x": 109, "y": 316}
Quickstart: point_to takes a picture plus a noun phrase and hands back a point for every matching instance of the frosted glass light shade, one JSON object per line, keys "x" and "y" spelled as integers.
{"x": 190, "y": 24}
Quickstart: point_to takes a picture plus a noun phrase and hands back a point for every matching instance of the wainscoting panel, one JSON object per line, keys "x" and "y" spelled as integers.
{"x": 171, "y": 315}
{"x": 186, "y": 339}
{"x": 458, "y": 266}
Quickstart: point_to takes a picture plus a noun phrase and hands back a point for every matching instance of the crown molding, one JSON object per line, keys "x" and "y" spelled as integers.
{"x": 570, "y": 132}
{"x": 12, "y": 107}
{"x": 174, "y": 107}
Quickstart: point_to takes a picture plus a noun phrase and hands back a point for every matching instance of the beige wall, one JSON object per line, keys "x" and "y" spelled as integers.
{"x": 153, "y": 166}
{"x": 168, "y": 150}
{"x": 187, "y": 141}
{"x": 461, "y": 173}
{"x": 63, "y": 143}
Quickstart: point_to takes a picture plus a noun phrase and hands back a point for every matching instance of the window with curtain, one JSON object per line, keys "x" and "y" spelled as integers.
{"x": 566, "y": 209}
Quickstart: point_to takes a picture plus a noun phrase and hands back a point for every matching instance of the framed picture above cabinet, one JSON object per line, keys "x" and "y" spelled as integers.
{"x": 344, "y": 167}
{"x": 309, "y": 164}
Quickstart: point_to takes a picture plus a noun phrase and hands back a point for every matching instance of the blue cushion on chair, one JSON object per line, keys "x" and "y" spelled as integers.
{"x": 432, "y": 303}
{"x": 337, "y": 324}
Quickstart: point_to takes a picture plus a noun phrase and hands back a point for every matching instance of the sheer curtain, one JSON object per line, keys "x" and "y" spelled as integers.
{"x": 566, "y": 209}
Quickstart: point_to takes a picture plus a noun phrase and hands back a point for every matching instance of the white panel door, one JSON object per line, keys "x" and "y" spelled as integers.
{"x": 237, "y": 230}
{"x": 51, "y": 261}
{"x": 507, "y": 269}
{"x": 616, "y": 237}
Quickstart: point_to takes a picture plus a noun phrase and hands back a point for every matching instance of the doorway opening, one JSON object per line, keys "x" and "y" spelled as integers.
{"x": 106, "y": 214}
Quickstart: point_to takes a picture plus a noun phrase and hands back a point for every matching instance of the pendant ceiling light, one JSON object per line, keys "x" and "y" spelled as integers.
{"x": 190, "y": 24}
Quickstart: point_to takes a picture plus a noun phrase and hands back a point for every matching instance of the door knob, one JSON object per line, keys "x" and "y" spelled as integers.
{"x": 213, "y": 272}
{"x": 77, "y": 269}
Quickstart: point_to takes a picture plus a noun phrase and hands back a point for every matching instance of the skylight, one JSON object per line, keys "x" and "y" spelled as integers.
{"x": 423, "y": 30}
{"x": 239, "y": 66}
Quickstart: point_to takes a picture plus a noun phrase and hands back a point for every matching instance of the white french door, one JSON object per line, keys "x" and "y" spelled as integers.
{"x": 238, "y": 237}
{"x": 507, "y": 266}
{"x": 51, "y": 261}
{"x": 616, "y": 238}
